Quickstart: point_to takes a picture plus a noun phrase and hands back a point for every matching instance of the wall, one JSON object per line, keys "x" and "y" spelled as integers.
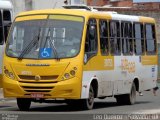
{"x": 125, "y": 3}
{"x": 97, "y": 2}
{"x": 152, "y": 5}
{"x": 46, "y": 4}
{"x": 19, "y": 5}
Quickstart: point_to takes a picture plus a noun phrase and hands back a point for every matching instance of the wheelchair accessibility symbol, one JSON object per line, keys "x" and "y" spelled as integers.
{"x": 45, "y": 52}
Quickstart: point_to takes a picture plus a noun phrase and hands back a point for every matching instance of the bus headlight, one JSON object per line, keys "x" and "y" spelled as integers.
{"x": 73, "y": 72}
{"x": 69, "y": 74}
{"x": 8, "y": 73}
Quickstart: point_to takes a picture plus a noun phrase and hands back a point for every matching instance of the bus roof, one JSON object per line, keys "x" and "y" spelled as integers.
{"x": 86, "y": 13}
{"x": 5, "y": 4}
{"x": 58, "y": 11}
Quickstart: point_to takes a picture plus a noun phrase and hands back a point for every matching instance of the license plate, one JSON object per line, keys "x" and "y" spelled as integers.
{"x": 37, "y": 95}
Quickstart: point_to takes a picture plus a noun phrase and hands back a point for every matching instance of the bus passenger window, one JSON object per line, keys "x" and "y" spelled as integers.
{"x": 1, "y": 30}
{"x": 115, "y": 41}
{"x": 91, "y": 39}
{"x": 138, "y": 39}
{"x": 7, "y": 22}
{"x": 150, "y": 39}
{"x": 104, "y": 45}
{"x": 126, "y": 34}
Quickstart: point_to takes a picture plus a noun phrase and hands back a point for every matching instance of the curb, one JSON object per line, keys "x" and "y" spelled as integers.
{"x": 5, "y": 99}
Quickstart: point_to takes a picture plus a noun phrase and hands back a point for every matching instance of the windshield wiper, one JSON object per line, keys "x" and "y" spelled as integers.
{"x": 53, "y": 46}
{"x": 29, "y": 46}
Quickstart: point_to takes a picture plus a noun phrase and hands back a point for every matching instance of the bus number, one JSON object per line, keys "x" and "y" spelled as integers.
{"x": 108, "y": 63}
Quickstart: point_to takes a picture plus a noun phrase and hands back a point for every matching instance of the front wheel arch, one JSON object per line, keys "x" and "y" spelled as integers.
{"x": 94, "y": 84}
{"x": 136, "y": 82}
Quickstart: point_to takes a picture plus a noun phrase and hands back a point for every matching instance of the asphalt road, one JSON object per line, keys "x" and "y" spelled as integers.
{"x": 147, "y": 107}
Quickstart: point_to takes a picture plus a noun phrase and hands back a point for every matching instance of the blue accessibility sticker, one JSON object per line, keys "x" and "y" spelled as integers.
{"x": 45, "y": 52}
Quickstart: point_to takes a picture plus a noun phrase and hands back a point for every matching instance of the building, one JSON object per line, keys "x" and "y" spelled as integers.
{"x": 121, "y": 3}
{"x": 25, "y": 5}
{"x": 113, "y": 3}
{"x": 97, "y": 2}
{"x": 146, "y": 4}
{"x": 141, "y": 4}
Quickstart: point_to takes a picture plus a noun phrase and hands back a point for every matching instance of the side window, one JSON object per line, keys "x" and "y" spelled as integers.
{"x": 91, "y": 38}
{"x": 150, "y": 39}
{"x": 138, "y": 38}
{"x": 17, "y": 40}
{"x": 104, "y": 45}
{"x": 1, "y": 30}
{"x": 126, "y": 34}
{"x": 7, "y": 22}
{"x": 115, "y": 41}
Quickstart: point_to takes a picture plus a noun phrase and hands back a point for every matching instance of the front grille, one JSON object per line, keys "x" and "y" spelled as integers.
{"x": 43, "y": 84}
{"x": 26, "y": 77}
{"x": 37, "y": 82}
{"x": 43, "y": 79}
{"x": 37, "y": 88}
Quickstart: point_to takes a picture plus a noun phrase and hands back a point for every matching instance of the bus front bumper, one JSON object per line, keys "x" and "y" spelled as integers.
{"x": 67, "y": 89}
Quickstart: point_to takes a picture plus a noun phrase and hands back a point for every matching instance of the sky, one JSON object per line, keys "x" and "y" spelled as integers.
{"x": 137, "y": 1}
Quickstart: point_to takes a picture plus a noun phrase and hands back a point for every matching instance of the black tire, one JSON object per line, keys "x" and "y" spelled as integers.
{"x": 23, "y": 104}
{"x": 127, "y": 99}
{"x": 120, "y": 99}
{"x": 131, "y": 98}
{"x": 88, "y": 104}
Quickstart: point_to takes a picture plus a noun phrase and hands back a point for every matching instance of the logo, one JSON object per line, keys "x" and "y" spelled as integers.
{"x": 37, "y": 78}
{"x": 37, "y": 64}
{"x": 45, "y": 52}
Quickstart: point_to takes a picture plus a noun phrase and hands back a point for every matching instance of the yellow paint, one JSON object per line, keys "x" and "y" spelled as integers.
{"x": 68, "y": 12}
{"x": 31, "y": 17}
{"x": 100, "y": 63}
{"x": 146, "y": 20}
{"x": 66, "y": 17}
{"x": 68, "y": 88}
{"x": 0, "y": 80}
{"x": 149, "y": 60}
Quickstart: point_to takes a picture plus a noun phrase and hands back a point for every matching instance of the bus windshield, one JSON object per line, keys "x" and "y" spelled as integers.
{"x": 45, "y": 39}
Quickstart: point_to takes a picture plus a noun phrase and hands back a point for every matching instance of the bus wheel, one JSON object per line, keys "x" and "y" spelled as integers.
{"x": 23, "y": 103}
{"x": 130, "y": 99}
{"x": 88, "y": 103}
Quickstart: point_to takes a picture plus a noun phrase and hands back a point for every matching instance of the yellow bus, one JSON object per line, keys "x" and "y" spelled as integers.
{"x": 78, "y": 55}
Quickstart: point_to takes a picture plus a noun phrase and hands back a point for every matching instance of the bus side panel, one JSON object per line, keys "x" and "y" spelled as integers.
{"x": 101, "y": 69}
{"x": 129, "y": 68}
